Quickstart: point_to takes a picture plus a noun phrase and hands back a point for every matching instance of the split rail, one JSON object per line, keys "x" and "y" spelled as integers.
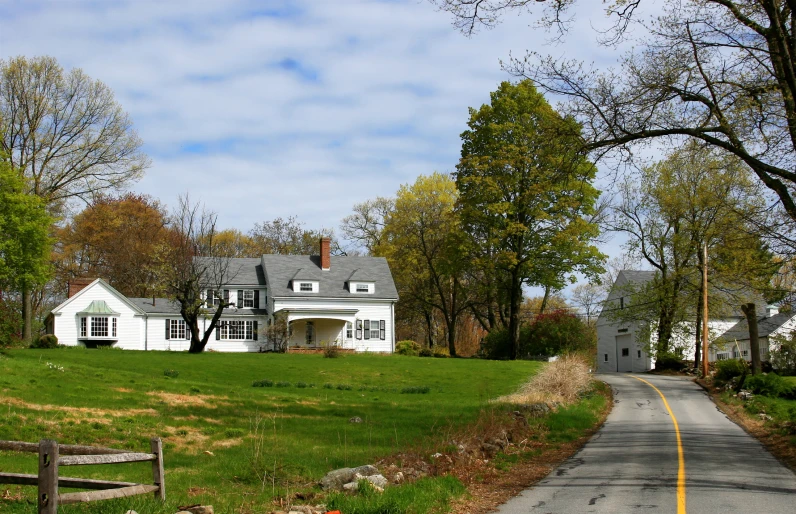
{"x": 52, "y": 456}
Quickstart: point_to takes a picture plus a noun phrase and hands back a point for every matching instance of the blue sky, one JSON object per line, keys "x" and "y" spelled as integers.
{"x": 265, "y": 109}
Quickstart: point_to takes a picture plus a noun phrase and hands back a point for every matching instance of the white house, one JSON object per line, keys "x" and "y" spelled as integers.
{"x": 621, "y": 345}
{"x": 348, "y": 301}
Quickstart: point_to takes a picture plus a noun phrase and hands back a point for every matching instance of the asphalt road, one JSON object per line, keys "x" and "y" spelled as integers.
{"x": 632, "y": 464}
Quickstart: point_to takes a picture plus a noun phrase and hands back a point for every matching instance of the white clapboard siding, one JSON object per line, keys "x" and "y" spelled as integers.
{"x": 157, "y": 336}
{"x": 67, "y": 323}
{"x": 366, "y": 309}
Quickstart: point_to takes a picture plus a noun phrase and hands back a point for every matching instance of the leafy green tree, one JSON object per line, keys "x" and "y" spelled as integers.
{"x": 67, "y": 135}
{"x": 668, "y": 213}
{"x": 525, "y": 191}
{"x": 423, "y": 244}
{"x": 24, "y": 234}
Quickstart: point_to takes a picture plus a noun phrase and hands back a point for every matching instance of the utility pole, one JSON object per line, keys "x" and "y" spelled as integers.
{"x": 705, "y": 367}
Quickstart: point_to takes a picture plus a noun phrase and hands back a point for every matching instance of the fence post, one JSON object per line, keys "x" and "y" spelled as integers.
{"x": 158, "y": 475}
{"x": 48, "y": 476}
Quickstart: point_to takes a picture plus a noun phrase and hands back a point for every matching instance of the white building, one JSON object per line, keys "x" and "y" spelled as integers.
{"x": 622, "y": 345}
{"x": 347, "y": 301}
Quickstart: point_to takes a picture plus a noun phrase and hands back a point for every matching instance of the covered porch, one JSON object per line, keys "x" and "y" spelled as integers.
{"x": 316, "y": 328}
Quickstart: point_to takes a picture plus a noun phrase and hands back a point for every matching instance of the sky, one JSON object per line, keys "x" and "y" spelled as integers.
{"x": 266, "y": 109}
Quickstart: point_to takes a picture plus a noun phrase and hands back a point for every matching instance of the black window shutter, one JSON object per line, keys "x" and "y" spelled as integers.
{"x": 240, "y": 298}
{"x": 168, "y": 329}
{"x": 382, "y": 331}
{"x": 367, "y": 329}
{"x": 226, "y": 297}
{"x": 218, "y": 331}
{"x": 256, "y": 299}
{"x": 254, "y": 329}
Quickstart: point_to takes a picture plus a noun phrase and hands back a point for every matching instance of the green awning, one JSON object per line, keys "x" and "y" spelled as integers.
{"x": 98, "y": 308}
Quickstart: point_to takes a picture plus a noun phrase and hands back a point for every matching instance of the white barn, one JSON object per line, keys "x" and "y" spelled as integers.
{"x": 347, "y": 301}
{"x": 621, "y": 346}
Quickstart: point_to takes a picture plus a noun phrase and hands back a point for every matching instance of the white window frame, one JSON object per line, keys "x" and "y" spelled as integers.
{"x": 178, "y": 329}
{"x": 309, "y": 333}
{"x": 248, "y": 298}
{"x": 303, "y": 287}
{"x": 236, "y": 327}
{"x": 362, "y": 288}
{"x": 83, "y": 327}
{"x": 374, "y": 329}
{"x": 349, "y": 330}
{"x": 99, "y": 326}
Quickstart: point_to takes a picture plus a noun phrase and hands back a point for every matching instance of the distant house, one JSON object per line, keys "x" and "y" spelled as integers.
{"x": 347, "y": 301}
{"x": 622, "y": 345}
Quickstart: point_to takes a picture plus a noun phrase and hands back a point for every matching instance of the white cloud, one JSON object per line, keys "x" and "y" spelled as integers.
{"x": 392, "y": 84}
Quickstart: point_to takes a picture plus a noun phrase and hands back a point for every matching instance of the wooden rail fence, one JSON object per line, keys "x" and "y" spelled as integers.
{"x": 52, "y": 456}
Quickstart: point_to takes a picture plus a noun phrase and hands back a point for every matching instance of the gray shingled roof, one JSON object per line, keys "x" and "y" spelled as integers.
{"x": 637, "y": 276}
{"x": 765, "y": 326}
{"x": 166, "y": 306}
{"x": 281, "y": 269}
{"x": 244, "y": 271}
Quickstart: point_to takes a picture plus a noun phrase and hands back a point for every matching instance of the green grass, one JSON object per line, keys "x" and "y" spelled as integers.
{"x": 266, "y": 442}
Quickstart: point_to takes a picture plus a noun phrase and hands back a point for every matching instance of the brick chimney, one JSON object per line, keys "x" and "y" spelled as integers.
{"x": 77, "y": 284}
{"x": 326, "y": 248}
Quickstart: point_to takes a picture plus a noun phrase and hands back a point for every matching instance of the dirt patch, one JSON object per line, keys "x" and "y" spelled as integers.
{"x": 124, "y": 390}
{"x": 778, "y": 444}
{"x": 79, "y": 413}
{"x": 190, "y": 400}
{"x": 228, "y": 443}
{"x": 186, "y": 439}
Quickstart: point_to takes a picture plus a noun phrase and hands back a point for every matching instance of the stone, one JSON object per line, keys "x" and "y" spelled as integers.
{"x": 399, "y": 477}
{"x": 745, "y": 395}
{"x": 379, "y": 481}
{"x": 490, "y": 448}
{"x": 536, "y": 410}
{"x": 355, "y": 419}
{"x": 334, "y": 480}
{"x": 198, "y": 509}
{"x": 131, "y": 512}
{"x": 351, "y": 486}
{"x": 301, "y": 509}
{"x": 436, "y": 455}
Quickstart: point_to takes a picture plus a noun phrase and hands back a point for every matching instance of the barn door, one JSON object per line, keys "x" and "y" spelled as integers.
{"x": 624, "y": 353}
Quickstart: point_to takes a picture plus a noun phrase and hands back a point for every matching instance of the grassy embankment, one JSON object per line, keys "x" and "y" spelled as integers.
{"x": 771, "y": 419}
{"x": 242, "y": 448}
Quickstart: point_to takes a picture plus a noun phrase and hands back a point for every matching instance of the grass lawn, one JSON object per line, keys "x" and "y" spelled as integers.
{"x": 226, "y": 442}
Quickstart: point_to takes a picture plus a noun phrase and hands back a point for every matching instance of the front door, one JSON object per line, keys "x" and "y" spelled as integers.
{"x": 624, "y": 357}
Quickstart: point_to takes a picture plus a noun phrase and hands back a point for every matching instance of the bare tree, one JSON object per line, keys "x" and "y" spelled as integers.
{"x": 67, "y": 134}
{"x": 289, "y": 237}
{"x": 722, "y": 72}
{"x": 366, "y": 225}
{"x": 588, "y": 297}
{"x": 194, "y": 264}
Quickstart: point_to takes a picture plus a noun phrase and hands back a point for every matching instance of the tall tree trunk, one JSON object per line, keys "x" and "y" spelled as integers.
{"x": 545, "y": 298}
{"x": 514, "y": 313}
{"x": 698, "y": 338}
{"x": 754, "y": 341}
{"x": 429, "y": 328}
{"x": 27, "y": 315}
{"x": 452, "y": 338}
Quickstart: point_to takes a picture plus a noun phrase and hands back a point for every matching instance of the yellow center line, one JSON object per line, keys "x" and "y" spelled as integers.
{"x": 680, "y": 456}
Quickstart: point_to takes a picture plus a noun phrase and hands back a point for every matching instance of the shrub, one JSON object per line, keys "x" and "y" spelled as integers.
{"x": 496, "y": 345}
{"x": 301, "y": 385}
{"x": 728, "y": 369}
{"x": 783, "y": 359}
{"x": 344, "y": 387}
{"x": 770, "y": 384}
{"x": 171, "y": 373}
{"x": 669, "y": 361}
{"x": 327, "y": 385}
{"x": 331, "y": 351}
{"x": 441, "y": 352}
{"x": 407, "y": 348}
{"x": 425, "y": 352}
{"x": 563, "y": 380}
{"x": 555, "y": 333}
{"x": 45, "y": 341}
{"x": 263, "y": 383}
{"x": 416, "y": 390}
{"x": 283, "y": 384}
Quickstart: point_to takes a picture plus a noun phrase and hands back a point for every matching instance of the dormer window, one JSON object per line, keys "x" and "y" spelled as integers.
{"x": 305, "y": 287}
{"x": 362, "y": 287}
